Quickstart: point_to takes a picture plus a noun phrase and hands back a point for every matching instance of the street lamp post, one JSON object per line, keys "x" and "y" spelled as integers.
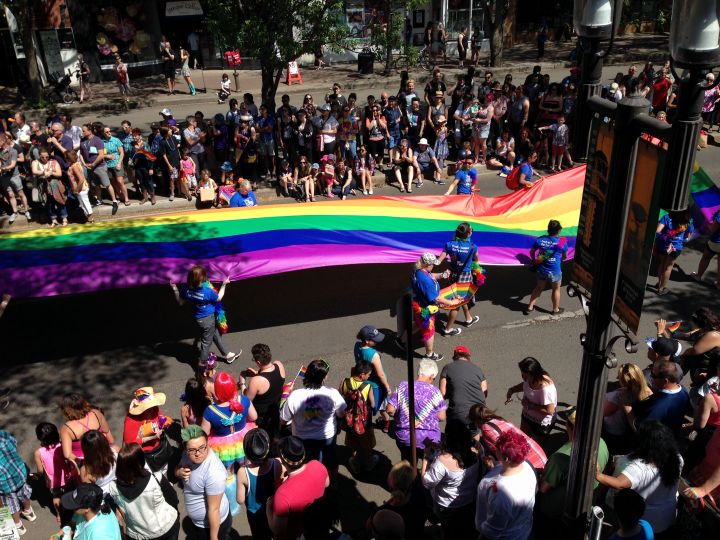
{"x": 695, "y": 46}
{"x": 593, "y": 22}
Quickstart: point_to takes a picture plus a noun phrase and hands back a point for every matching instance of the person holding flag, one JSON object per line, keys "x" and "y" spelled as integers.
{"x": 547, "y": 254}
{"x": 463, "y": 256}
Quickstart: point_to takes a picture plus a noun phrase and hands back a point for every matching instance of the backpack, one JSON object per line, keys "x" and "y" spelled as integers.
{"x": 357, "y": 411}
{"x": 512, "y": 180}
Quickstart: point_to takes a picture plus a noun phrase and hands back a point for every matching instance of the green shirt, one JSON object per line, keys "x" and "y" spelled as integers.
{"x": 556, "y": 474}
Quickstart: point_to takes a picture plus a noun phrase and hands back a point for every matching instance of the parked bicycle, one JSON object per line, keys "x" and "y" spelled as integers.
{"x": 60, "y": 90}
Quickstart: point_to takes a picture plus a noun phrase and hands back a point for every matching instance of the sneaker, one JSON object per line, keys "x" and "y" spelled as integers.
{"x": 695, "y": 277}
{"x": 374, "y": 460}
{"x": 421, "y": 184}
{"x": 435, "y": 357}
{"x": 20, "y": 529}
{"x": 231, "y": 357}
{"x": 452, "y": 332}
{"x": 354, "y": 465}
{"x": 440, "y": 183}
{"x": 472, "y": 321}
{"x": 115, "y": 207}
{"x": 12, "y": 219}
{"x": 399, "y": 344}
{"x": 371, "y": 192}
{"x": 27, "y": 215}
{"x": 98, "y": 203}
{"x": 171, "y": 198}
{"x": 29, "y": 515}
{"x": 365, "y": 192}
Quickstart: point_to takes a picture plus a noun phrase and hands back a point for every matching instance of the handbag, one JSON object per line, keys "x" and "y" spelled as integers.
{"x": 168, "y": 491}
{"x": 159, "y": 456}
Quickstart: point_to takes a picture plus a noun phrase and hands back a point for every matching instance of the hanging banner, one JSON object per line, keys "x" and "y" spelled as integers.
{"x": 639, "y": 234}
{"x": 593, "y": 203}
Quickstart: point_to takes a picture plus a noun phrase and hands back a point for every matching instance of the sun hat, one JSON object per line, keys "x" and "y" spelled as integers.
{"x": 614, "y": 86}
{"x": 370, "y": 332}
{"x": 428, "y": 258}
{"x": 441, "y": 118}
{"x": 166, "y": 112}
{"x": 325, "y": 108}
{"x": 440, "y": 93}
{"x": 315, "y": 166}
{"x": 145, "y": 398}
{"x": 256, "y": 444}
{"x": 227, "y": 166}
{"x": 423, "y": 141}
{"x": 245, "y": 117}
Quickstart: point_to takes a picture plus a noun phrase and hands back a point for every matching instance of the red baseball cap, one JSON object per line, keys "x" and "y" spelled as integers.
{"x": 462, "y": 350}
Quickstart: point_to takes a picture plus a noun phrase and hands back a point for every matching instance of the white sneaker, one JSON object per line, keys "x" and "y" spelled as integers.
{"x": 20, "y": 529}
{"x": 29, "y": 514}
{"x": 365, "y": 192}
{"x": 12, "y": 219}
{"x": 371, "y": 192}
{"x": 231, "y": 357}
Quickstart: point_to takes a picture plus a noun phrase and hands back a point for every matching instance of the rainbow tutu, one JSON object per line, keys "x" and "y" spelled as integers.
{"x": 229, "y": 448}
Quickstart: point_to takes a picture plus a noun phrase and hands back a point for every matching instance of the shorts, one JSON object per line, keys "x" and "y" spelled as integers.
{"x": 100, "y": 177}
{"x": 712, "y": 247}
{"x": 427, "y": 170}
{"x": 393, "y": 141}
{"x": 558, "y": 151}
{"x": 114, "y": 173}
{"x": 550, "y": 276}
{"x": 425, "y": 321}
{"x": 14, "y": 500}
{"x": 11, "y": 183}
{"x": 266, "y": 148}
{"x": 462, "y": 277}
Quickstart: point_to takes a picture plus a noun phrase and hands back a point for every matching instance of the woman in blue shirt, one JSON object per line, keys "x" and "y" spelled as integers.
{"x": 243, "y": 195}
{"x": 462, "y": 253}
{"x": 673, "y": 231}
{"x": 207, "y": 309}
{"x": 547, "y": 254}
{"x": 426, "y": 299}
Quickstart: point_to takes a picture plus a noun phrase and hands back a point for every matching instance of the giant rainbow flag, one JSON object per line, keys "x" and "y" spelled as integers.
{"x": 250, "y": 242}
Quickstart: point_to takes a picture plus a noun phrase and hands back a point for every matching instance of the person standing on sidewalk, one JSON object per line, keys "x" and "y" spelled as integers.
{"x": 193, "y": 40}
{"x": 168, "y": 58}
{"x": 14, "y": 491}
{"x": 547, "y": 254}
{"x": 185, "y": 70}
{"x": 92, "y": 154}
{"x": 114, "y": 158}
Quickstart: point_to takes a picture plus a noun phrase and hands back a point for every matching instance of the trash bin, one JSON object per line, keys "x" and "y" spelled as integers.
{"x": 365, "y": 62}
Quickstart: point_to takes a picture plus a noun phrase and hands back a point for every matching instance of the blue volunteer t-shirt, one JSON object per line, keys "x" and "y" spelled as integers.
{"x": 645, "y": 533}
{"x": 461, "y": 254}
{"x": 263, "y": 123}
{"x": 238, "y": 200}
{"x": 715, "y": 237}
{"x": 466, "y": 180}
{"x": 527, "y": 170}
{"x": 550, "y": 250}
{"x": 669, "y": 236}
{"x": 202, "y": 300}
{"x": 391, "y": 116}
{"x": 425, "y": 288}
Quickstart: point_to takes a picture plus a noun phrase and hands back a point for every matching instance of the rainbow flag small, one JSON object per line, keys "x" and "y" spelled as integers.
{"x": 672, "y": 326}
{"x": 288, "y": 386}
{"x": 301, "y": 372}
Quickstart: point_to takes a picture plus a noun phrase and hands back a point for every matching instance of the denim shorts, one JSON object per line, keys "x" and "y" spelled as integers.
{"x": 393, "y": 141}
{"x": 550, "y": 276}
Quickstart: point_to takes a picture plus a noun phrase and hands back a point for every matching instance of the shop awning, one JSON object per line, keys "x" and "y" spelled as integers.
{"x": 183, "y": 9}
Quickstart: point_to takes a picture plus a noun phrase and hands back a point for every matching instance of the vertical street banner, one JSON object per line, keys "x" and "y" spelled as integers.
{"x": 639, "y": 234}
{"x": 593, "y": 204}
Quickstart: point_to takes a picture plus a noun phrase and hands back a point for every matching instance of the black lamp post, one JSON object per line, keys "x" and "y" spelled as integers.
{"x": 593, "y": 21}
{"x": 695, "y": 46}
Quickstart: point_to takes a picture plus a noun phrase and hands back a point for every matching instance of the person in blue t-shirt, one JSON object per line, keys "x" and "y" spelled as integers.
{"x": 243, "y": 195}
{"x": 426, "y": 299}
{"x": 462, "y": 253}
{"x": 465, "y": 179}
{"x": 673, "y": 231}
{"x": 629, "y": 508}
{"x": 547, "y": 254}
{"x": 204, "y": 299}
{"x": 712, "y": 248}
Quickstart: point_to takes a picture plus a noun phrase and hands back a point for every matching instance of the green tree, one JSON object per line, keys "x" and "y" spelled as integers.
{"x": 275, "y": 32}
{"x": 24, "y": 11}
{"x": 495, "y": 13}
{"x": 388, "y": 32}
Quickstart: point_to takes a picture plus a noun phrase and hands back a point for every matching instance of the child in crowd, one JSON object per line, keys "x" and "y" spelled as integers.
{"x": 224, "y": 92}
{"x": 60, "y": 475}
{"x": 464, "y": 152}
{"x": 365, "y": 352}
{"x": 561, "y": 133}
{"x": 206, "y": 182}
{"x": 187, "y": 172}
{"x": 441, "y": 148}
{"x": 285, "y": 178}
{"x": 205, "y": 374}
{"x": 227, "y": 185}
{"x": 360, "y": 400}
{"x": 629, "y": 508}
{"x": 195, "y": 401}
{"x": 326, "y": 177}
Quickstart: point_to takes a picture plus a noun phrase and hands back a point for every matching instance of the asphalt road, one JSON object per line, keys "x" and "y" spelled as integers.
{"x": 107, "y": 345}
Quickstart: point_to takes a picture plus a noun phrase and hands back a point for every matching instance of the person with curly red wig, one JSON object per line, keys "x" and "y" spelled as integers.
{"x": 227, "y": 421}
{"x": 506, "y": 495}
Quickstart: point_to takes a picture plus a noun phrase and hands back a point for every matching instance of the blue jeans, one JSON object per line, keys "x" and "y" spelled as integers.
{"x": 54, "y": 208}
{"x": 324, "y": 450}
{"x": 339, "y": 191}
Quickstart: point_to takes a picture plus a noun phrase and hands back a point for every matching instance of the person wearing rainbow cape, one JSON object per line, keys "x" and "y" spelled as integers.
{"x": 463, "y": 256}
{"x": 208, "y": 310}
{"x": 547, "y": 254}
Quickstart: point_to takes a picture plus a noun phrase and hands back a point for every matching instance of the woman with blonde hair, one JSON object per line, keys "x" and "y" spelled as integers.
{"x": 407, "y": 498}
{"x": 619, "y": 419}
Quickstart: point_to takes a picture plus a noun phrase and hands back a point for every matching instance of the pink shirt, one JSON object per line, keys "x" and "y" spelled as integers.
{"x": 57, "y": 470}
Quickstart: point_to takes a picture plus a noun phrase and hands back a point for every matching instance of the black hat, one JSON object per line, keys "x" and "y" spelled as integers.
{"x": 666, "y": 346}
{"x": 256, "y": 444}
{"x": 84, "y": 496}
{"x": 291, "y": 450}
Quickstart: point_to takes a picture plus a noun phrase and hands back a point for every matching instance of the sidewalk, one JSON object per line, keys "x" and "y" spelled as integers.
{"x": 152, "y": 91}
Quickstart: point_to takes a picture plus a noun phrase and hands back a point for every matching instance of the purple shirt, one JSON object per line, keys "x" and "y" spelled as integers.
{"x": 428, "y": 403}
{"x": 91, "y": 148}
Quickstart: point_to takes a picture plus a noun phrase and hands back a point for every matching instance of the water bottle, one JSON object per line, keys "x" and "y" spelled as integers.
{"x": 67, "y": 532}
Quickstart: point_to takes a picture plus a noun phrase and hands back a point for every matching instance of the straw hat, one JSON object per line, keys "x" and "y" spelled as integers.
{"x": 145, "y": 398}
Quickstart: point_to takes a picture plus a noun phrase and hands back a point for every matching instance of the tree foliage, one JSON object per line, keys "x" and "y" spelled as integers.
{"x": 275, "y": 31}
{"x": 495, "y": 13}
{"x": 24, "y": 10}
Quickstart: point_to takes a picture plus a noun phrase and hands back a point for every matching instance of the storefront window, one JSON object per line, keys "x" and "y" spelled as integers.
{"x": 122, "y": 28}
